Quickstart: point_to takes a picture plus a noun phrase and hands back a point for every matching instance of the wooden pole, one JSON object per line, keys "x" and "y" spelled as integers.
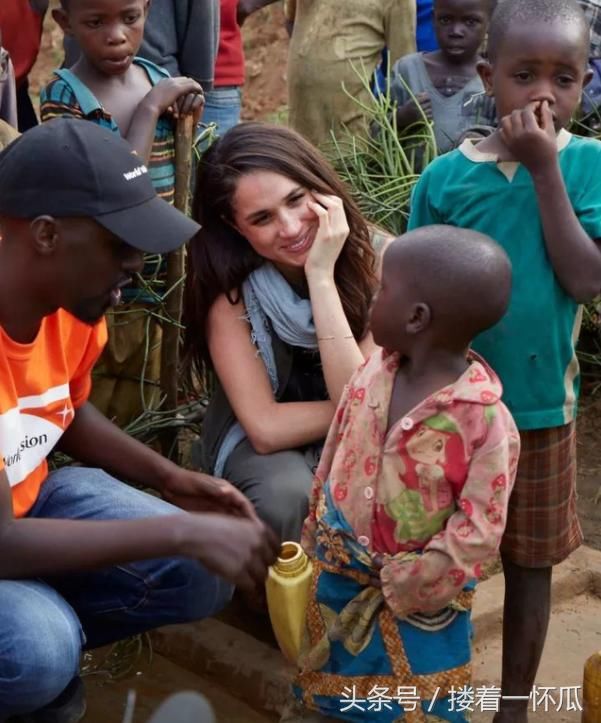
{"x": 175, "y": 271}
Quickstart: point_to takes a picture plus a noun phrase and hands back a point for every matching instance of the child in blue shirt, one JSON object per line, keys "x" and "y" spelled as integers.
{"x": 536, "y": 190}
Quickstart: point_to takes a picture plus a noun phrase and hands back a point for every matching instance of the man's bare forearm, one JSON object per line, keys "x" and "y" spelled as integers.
{"x": 40, "y": 547}
{"x": 94, "y": 440}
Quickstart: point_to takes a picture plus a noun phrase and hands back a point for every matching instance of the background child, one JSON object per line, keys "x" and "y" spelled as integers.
{"x": 112, "y": 87}
{"x": 21, "y": 22}
{"x": 535, "y": 189}
{"x": 8, "y": 93}
{"x": 411, "y": 492}
{"x": 445, "y": 82}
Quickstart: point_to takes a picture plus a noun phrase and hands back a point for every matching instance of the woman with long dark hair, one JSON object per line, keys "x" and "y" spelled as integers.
{"x": 280, "y": 281}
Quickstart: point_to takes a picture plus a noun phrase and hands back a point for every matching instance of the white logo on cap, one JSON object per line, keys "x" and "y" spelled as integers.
{"x": 138, "y": 171}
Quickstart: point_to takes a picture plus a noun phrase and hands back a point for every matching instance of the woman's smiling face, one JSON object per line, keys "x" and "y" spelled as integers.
{"x": 271, "y": 211}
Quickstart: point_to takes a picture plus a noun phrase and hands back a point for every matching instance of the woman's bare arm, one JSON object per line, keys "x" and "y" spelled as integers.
{"x": 270, "y": 425}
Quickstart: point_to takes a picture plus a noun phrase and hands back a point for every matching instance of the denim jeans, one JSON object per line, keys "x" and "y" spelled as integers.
{"x": 222, "y": 107}
{"x": 45, "y": 624}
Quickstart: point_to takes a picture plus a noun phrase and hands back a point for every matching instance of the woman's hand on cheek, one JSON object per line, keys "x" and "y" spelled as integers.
{"x": 332, "y": 233}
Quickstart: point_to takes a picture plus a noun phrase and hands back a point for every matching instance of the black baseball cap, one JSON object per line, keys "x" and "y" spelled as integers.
{"x": 73, "y": 167}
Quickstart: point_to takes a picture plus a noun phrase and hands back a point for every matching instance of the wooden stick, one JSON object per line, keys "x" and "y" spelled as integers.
{"x": 175, "y": 272}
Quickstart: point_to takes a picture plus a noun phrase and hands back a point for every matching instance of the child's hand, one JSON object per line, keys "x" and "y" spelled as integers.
{"x": 425, "y": 103}
{"x": 332, "y": 233}
{"x": 414, "y": 111}
{"x": 173, "y": 94}
{"x": 530, "y": 135}
{"x": 190, "y": 104}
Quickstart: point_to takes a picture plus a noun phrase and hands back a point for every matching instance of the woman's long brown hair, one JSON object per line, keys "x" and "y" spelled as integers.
{"x": 220, "y": 259}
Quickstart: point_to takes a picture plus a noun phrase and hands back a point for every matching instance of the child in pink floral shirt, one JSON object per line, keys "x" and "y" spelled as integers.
{"x": 411, "y": 493}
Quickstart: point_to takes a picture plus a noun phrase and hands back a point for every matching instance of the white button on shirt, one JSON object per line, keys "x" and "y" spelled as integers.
{"x": 362, "y": 540}
{"x": 406, "y": 423}
{"x": 368, "y": 492}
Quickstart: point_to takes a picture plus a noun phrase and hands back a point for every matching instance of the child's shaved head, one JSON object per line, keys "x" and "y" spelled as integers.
{"x": 487, "y": 5}
{"x": 512, "y": 13}
{"x": 463, "y": 276}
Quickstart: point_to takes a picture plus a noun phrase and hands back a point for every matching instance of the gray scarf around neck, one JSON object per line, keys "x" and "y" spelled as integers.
{"x": 272, "y": 307}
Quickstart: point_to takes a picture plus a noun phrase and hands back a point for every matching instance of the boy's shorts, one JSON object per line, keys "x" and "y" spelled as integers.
{"x": 542, "y": 521}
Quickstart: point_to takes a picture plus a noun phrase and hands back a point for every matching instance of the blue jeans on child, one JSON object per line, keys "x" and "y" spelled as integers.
{"x": 222, "y": 107}
{"x": 45, "y": 624}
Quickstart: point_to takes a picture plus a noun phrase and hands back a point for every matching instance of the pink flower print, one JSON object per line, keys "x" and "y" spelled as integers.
{"x": 476, "y": 376}
{"x": 467, "y": 507}
{"x": 488, "y": 397}
{"x": 499, "y": 482}
{"x": 493, "y": 512}
{"x": 465, "y": 529}
{"x": 457, "y": 576}
{"x": 370, "y": 466}
{"x": 340, "y": 492}
{"x": 349, "y": 461}
{"x": 358, "y": 394}
{"x": 444, "y": 396}
{"x": 477, "y": 570}
{"x": 340, "y": 414}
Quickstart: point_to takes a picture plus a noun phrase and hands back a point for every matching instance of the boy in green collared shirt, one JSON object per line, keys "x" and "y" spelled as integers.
{"x": 537, "y": 191}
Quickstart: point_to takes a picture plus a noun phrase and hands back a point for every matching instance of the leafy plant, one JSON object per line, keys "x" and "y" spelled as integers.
{"x": 381, "y": 168}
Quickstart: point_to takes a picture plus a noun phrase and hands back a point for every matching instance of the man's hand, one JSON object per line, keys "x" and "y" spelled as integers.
{"x": 198, "y": 492}
{"x": 238, "y": 550}
{"x": 530, "y": 136}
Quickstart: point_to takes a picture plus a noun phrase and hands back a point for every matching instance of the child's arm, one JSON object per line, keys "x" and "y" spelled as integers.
{"x": 472, "y": 534}
{"x": 414, "y": 111}
{"x": 575, "y": 257}
{"x": 410, "y": 109}
{"x": 182, "y": 95}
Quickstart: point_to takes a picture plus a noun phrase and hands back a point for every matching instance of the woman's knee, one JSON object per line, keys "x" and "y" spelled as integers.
{"x": 40, "y": 646}
{"x": 277, "y": 484}
{"x": 284, "y": 508}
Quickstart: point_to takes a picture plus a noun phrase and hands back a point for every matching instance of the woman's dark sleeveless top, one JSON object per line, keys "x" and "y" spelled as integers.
{"x": 300, "y": 379}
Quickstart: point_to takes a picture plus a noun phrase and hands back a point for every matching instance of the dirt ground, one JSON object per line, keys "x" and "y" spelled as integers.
{"x": 266, "y": 42}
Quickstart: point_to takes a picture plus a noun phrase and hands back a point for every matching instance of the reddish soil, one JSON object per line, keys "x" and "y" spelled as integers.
{"x": 266, "y": 49}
